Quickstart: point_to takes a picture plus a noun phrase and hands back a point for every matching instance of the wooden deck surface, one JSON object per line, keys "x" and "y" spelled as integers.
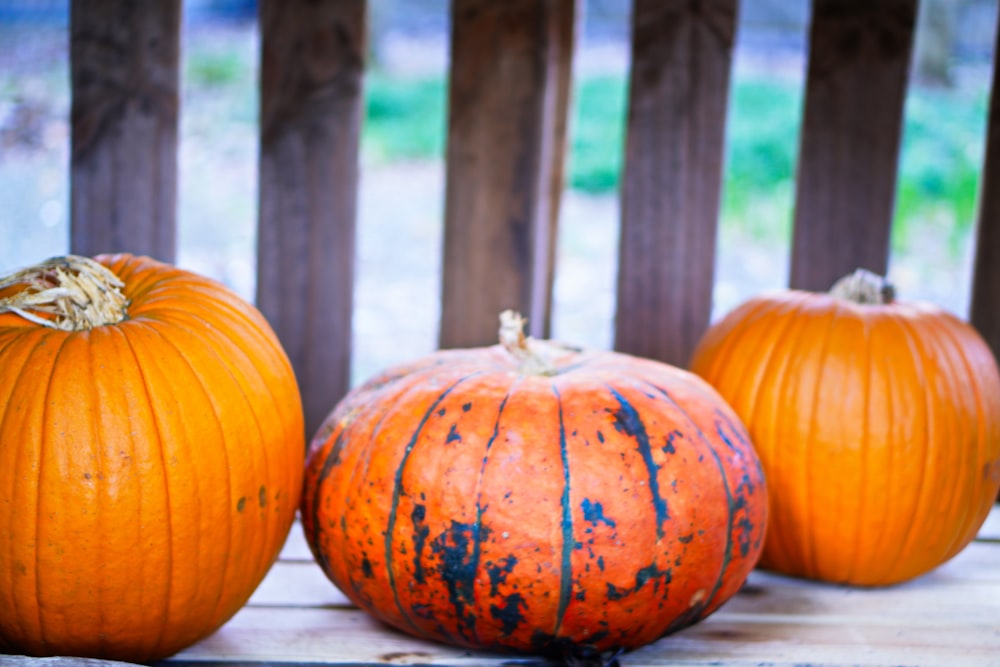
{"x": 948, "y": 617}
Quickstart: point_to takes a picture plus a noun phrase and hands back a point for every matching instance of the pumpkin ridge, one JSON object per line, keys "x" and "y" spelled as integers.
{"x": 477, "y": 548}
{"x": 99, "y": 455}
{"x": 814, "y": 409}
{"x": 727, "y": 555}
{"x": 332, "y": 459}
{"x": 630, "y": 423}
{"x": 168, "y": 341}
{"x": 725, "y": 348}
{"x": 981, "y": 436}
{"x": 397, "y": 491}
{"x": 917, "y": 352}
{"x": 944, "y": 340}
{"x": 866, "y": 448}
{"x": 795, "y": 303}
{"x": 17, "y": 381}
{"x": 397, "y": 388}
{"x": 798, "y": 320}
{"x": 566, "y": 571}
{"x": 961, "y": 527}
{"x": 154, "y": 417}
{"x": 38, "y": 518}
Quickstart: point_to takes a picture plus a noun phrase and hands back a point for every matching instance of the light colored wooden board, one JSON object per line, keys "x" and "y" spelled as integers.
{"x": 297, "y": 584}
{"x": 991, "y": 529}
{"x": 61, "y": 661}
{"x": 338, "y": 636}
{"x": 296, "y": 548}
{"x": 948, "y": 617}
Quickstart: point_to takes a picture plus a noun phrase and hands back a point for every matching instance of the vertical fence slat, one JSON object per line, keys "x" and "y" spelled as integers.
{"x": 859, "y": 57}
{"x": 509, "y": 62}
{"x": 124, "y": 74}
{"x": 985, "y": 303}
{"x": 312, "y": 68}
{"x": 679, "y": 87}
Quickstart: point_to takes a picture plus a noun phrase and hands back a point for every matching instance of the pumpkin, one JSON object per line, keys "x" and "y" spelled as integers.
{"x": 877, "y": 422}
{"x": 151, "y": 457}
{"x": 534, "y": 497}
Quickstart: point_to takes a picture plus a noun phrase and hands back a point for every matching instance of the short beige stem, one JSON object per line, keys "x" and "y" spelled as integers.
{"x": 864, "y": 287}
{"x": 71, "y": 293}
{"x": 533, "y": 360}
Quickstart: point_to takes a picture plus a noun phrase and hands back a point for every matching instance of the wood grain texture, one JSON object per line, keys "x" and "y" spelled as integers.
{"x": 510, "y": 71}
{"x": 679, "y": 86}
{"x": 124, "y": 75}
{"x": 312, "y": 65}
{"x": 984, "y": 310}
{"x": 859, "y": 57}
{"x": 946, "y": 617}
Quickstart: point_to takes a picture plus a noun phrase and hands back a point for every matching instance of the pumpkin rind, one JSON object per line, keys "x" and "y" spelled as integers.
{"x": 602, "y": 505}
{"x": 878, "y": 427}
{"x": 149, "y": 470}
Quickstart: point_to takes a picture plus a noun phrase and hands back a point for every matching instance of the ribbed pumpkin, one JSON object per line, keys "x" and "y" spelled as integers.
{"x": 532, "y": 497}
{"x": 877, "y": 423}
{"x": 151, "y": 457}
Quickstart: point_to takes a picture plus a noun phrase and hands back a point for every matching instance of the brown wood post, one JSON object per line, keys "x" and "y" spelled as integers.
{"x": 124, "y": 75}
{"x": 859, "y": 58}
{"x": 312, "y": 68}
{"x": 679, "y": 86}
{"x": 985, "y": 307}
{"x": 510, "y": 73}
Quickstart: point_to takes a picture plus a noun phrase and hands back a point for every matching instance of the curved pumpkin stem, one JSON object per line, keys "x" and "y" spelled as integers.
{"x": 864, "y": 287}
{"x": 533, "y": 359}
{"x": 70, "y": 293}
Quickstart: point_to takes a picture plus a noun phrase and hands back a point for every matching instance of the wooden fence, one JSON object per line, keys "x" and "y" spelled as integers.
{"x": 510, "y": 86}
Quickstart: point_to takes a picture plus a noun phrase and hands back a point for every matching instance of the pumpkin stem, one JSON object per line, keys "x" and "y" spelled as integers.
{"x": 864, "y": 287}
{"x": 533, "y": 359}
{"x": 70, "y": 293}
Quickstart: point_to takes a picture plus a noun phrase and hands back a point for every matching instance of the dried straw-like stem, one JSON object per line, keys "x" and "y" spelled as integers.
{"x": 71, "y": 293}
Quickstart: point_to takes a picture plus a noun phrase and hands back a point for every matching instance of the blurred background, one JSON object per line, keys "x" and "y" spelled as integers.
{"x": 402, "y": 178}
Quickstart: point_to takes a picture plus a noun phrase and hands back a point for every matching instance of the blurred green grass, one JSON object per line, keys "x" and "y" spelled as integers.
{"x": 405, "y": 119}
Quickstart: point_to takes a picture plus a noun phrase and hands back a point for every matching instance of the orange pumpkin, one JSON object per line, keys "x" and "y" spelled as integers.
{"x": 151, "y": 451}
{"x": 877, "y": 423}
{"x": 533, "y": 497}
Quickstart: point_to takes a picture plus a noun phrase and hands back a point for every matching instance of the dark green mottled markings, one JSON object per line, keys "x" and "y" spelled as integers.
{"x": 627, "y": 421}
{"x": 397, "y": 492}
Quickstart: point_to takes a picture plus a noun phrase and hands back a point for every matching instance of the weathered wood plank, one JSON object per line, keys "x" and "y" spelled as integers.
{"x": 859, "y": 56}
{"x": 679, "y": 84}
{"x": 124, "y": 74}
{"x": 991, "y": 528}
{"x": 506, "y": 127}
{"x": 312, "y": 66}
{"x": 947, "y": 617}
{"x": 59, "y": 661}
{"x": 984, "y": 311}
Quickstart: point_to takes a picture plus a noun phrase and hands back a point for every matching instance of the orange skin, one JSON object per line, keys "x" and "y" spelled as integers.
{"x": 149, "y": 470}
{"x": 878, "y": 427}
{"x": 601, "y": 506}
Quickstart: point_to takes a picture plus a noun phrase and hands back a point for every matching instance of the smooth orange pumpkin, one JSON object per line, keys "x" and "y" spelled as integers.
{"x": 532, "y": 497}
{"x": 877, "y": 422}
{"x": 151, "y": 455}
